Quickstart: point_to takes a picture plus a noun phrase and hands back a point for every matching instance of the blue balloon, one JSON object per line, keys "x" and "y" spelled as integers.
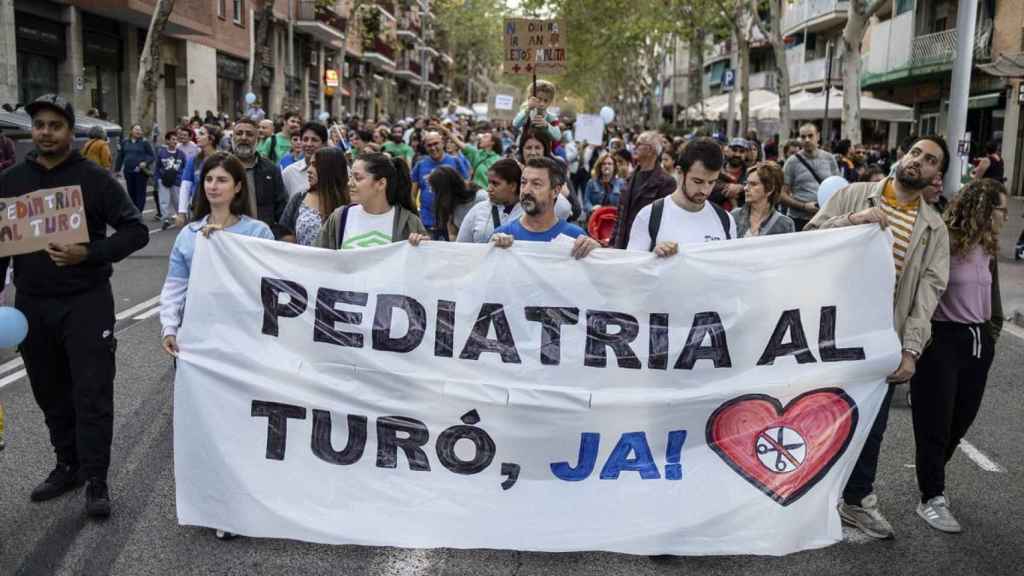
{"x": 13, "y": 327}
{"x": 250, "y": 98}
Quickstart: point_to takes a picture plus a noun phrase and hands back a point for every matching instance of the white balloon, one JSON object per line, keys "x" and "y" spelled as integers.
{"x": 324, "y": 116}
{"x": 607, "y": 114}
{"x": 828, "y": 187}
{"x": 250, "y": 98}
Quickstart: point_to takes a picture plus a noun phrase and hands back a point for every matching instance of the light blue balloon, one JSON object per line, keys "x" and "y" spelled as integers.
{"x": 250, "y": 98}
{"x": 828, "y": 187}
{"x": 13, "y": 327}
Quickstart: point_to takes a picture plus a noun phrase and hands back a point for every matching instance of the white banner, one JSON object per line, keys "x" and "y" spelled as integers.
{"x": 465, "y": 396}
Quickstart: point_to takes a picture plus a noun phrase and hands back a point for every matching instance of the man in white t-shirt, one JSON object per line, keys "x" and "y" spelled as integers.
{"x": 685, "y": 217}
{"x": 295, "y": 176}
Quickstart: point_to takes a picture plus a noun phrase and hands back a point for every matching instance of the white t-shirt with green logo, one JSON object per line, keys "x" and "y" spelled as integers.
{"x": 364, "y": 230}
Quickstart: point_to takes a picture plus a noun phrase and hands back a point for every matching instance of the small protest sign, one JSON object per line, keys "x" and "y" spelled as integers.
{"x": 29, "y": 222}
{"x": 503, "y": 102}
{"x": 590, "y": 129}
{"x": 534, "y": 46}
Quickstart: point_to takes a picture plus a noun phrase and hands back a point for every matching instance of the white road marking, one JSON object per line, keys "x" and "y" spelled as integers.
{"x": 983, "y": 461}
{"x": 11, "y": 365}
{"x": 148, "y": 313}
{"x": 12, "y": 378}
{"x": 138, "y": 308}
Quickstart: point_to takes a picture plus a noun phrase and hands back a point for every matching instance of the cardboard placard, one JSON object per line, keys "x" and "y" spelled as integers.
{"x": 503, "y": 102}
{"x": 29, "y": 222}
{"x": 590, "y": 129}
{"x": 534, "y": 46}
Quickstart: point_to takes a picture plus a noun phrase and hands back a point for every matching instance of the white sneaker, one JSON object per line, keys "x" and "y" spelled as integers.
{"x": 866, "y": 518}
{"x": 936, "y": 513}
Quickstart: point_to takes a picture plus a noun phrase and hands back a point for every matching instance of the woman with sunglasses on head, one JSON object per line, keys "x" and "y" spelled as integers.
{"x": 306, "y": 212}
{"x": 383, "y": 211}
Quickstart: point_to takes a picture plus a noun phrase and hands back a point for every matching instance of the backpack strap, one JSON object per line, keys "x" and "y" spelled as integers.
{"x": 495, "y": 217}
{"x": 807, "y": 165}
{"x": 657, "y": 209}
{"x": 723, "y": 217}
{"x": 341, "y": 225}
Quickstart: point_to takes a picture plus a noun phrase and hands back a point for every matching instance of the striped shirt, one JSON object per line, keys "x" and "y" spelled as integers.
{"x": 901, "y": 223}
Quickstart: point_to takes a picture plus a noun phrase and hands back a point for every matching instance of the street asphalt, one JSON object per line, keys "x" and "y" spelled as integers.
{"x": 143, "y": 536}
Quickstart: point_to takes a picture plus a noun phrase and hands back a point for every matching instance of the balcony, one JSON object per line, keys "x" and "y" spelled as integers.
{"x": 381, "y": 55}
{"x": 764, "y": 81}
{"x": 410, "y": 25}
{"x": 896, "y": 54}
{"x": 804, "y": 74}
{"x": 387, "y": 6}
{"x": 409, "y": 68}
{"x": 322, "y": 22}
{"x": 814, "y": 15}
{"x": 939, "y": 49}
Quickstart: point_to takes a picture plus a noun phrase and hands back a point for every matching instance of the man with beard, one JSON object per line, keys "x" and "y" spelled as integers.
{"x": 542, "y": 179}
{"x": 396, "y": 146}
{"x": 728, "y": 191}
{"x": 687, "y": 216}
{"x": 921, "y": 254}
{"x": 64, "y": 292}
{"x": 269, "y": 196}
{"x": 804, "y": 172}
{"x": 502, "y": 205}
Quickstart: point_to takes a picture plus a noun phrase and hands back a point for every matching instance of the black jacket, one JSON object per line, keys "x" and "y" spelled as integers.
{"x": 106, "y": 204}
{"x": 271, "y": 195}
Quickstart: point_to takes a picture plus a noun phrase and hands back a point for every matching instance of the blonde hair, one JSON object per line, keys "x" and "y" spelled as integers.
{"x": 596, "y": 172}
{"x": 544, "y": 87}
{"x": 969, "y": 217}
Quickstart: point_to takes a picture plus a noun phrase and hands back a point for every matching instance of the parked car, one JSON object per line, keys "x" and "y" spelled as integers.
{"x": 17, "y": 126}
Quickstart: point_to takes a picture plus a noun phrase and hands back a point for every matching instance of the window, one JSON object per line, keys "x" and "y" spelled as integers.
{"x": 238, "y": 7}
{"x": 929, "y": 124}
{"x": 222, "y": 8}
{"x": 903, "y": 6}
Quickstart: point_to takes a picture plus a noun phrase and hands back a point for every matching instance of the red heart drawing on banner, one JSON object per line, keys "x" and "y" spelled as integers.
{"x": 784, "y": 452}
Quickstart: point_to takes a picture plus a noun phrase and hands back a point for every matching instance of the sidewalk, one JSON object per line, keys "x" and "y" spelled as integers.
{"x": 1011, "y": 274}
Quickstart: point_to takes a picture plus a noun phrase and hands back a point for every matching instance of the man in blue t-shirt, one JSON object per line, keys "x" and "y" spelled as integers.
{"x": 434, "y": 144}
{"x": 542, "y": 179}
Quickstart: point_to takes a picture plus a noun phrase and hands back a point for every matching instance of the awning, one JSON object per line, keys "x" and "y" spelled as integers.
{"x": 811, "y": 106}
{"x": 1006, "y": 66}
{"x": 983, "y": 101}
{"x": 717, "y": 107}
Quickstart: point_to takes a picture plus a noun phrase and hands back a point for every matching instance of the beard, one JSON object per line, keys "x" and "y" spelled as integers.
{"x": 396, "y": 138}
{"x": 912, "y": 180}
{"x": 530, "y": 205}
{"x": 735, "y": 161}
{"x": 245, "y": 151}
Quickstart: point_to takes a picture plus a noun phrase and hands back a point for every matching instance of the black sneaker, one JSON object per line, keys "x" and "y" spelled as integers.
{"x": 97, "y": 498}
{"x": 64, "y": 478}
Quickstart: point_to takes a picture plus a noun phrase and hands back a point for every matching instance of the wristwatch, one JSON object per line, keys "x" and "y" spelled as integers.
{"x": 914, "y": 353}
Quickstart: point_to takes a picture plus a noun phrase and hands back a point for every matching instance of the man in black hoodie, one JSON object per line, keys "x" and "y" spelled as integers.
{"x": 65, "y": 294}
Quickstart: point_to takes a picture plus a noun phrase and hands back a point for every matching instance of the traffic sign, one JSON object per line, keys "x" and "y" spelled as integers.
{"x": 728, "y": 80}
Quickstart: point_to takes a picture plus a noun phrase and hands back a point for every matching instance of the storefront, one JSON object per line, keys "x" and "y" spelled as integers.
{"x": 231, "y": 76}
{"x": 41, "y": 48}
{"x": 102, "y": 49}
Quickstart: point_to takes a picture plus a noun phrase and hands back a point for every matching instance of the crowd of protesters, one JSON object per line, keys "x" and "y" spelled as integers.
{"x": 359, "y": 184}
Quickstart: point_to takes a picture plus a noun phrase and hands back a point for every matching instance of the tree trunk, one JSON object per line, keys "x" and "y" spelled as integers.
{"x": 853, "y": 38}
{"x": 264, "y": 49}
{"x": 149, "y": 67}
{"x": 781, "y": 68}
{"x": 696, "y": 76}
{"x": 743, "y": 45}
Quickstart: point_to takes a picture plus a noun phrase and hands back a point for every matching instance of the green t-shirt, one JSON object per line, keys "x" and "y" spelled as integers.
{"x": 481, "y": 161}
{"x": 283, "y": 145}
{"x": 403, "y": 150}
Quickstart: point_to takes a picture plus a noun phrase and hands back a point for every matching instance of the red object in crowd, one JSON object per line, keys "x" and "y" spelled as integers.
{"x": 601, "y": 225}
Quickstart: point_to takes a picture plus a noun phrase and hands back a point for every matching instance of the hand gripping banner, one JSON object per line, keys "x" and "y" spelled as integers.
{"x": 466, "y": 396}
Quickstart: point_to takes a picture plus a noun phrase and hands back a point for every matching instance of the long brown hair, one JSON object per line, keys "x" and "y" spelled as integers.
{"x": 969, "y": 217}
{"x": 233, "y": 166}
{"x": 331, "y": 180}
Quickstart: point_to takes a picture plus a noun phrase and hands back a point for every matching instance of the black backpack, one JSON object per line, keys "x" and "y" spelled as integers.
{"x": 658, "y": 208}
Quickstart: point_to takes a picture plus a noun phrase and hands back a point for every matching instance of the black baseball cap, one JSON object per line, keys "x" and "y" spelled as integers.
{"x": 53, "y": 102}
